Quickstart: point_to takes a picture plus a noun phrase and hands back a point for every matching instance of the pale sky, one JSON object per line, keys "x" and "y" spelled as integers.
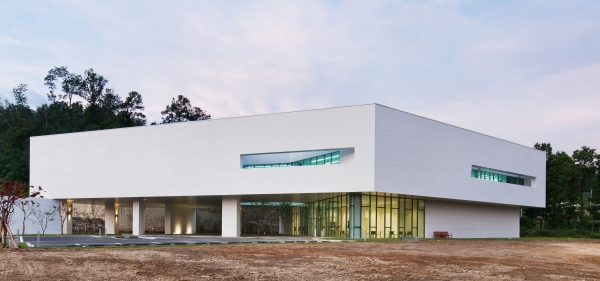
{"x": 523, "y": 71}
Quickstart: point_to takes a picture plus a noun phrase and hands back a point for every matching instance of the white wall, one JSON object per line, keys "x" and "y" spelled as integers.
{"x": 393, "y": 152}
{"x": 31, "y": 227}
{"x": 469, "y": 220}
{"x": 419, "y": 156}
{"x": 203, "y": 158}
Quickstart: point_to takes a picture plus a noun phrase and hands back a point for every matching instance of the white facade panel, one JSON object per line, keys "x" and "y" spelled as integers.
{"x": 203, "y": 158}
{"x": 419, "y": 156}
{"x": 469, "y": 220}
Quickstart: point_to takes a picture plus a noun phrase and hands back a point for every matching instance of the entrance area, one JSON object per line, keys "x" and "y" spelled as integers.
{"x": 343, "y": 215}
{"x": 370, "y": 215}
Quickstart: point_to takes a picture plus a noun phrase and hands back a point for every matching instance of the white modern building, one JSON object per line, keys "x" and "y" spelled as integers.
{"x": 359, "y": 170}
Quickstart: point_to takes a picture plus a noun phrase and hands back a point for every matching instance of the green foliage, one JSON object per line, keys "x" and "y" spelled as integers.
{"x": 181, "y": 110}
{"x": 266, "y": 214}
{"x": 570, "y": 233}
{"x": 76, "y": 102}
{"x": 100, "y": 108}
{"x": 525, "y": 222}
{"x": 572, "y": 192}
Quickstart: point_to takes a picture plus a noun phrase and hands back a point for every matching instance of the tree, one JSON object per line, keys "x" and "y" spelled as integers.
{"x": 260, "y": 213}
{"x": 284, "y": 212}
{"x": 93, "y": 87}
{"x": 251, "y": 214}
{"x": 585, "y": 169}
{"x": 62, "y": 211}
{"x": 181, "y": 110}
{"x": 595, "y": 196}
{"x": 560, "y": 188}
{"x": 533, "y": 214}
{"x": 71, "y": 84}
{"x": 560, "y": 202}
{"x": 101, "y": 108}
{"x": 42, "y": 218}
{"x": 12, "y": 193}
{"x": 27, "y": 207}
{"x": 131, "y": 111}
{"x": 271, "y": 215}
{"x": 16, "y": 126}
{"x": 19, "y": 93}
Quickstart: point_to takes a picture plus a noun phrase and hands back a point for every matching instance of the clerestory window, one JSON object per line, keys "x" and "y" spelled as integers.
{"x": 325, "y": 159}
{"x": 501, "y": 176}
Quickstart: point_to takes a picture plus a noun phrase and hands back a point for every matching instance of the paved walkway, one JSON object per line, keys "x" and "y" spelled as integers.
{"x": 146, "y": 240}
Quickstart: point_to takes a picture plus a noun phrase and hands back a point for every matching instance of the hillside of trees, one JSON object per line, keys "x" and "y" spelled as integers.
{"x": 572, "y": 192}
{"x": 76, "y": 103}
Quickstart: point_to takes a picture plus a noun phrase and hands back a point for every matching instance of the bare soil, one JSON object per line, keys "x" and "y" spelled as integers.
{"x": 423, "y": 260}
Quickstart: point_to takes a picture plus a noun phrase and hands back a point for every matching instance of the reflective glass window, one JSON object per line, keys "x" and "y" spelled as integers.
{"x": 325, "y": 159}
{"x": 498, "y": 177}
{"x": 321, "y": 160}
{"x": 335, "y": 157}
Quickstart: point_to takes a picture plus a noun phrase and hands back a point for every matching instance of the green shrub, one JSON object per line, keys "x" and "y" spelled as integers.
{"x": 572, "y": 233}
{"x": 525, "y": 222}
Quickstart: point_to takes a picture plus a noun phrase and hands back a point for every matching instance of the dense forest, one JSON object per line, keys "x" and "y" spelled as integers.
{"x": 76, "y": 103}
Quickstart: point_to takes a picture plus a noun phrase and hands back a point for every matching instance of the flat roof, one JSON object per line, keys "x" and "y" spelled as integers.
{"x": 296, "y": 111}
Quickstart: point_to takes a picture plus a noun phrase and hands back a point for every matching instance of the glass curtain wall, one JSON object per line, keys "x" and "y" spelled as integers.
{"x": 371, "y": 215}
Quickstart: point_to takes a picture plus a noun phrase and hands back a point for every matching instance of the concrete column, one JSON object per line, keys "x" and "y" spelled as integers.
{"x": 168, "y": 218}
{"x": 110, "y": 217}
{"x": 280, "y": 226}
{"x": 68, "y": 226}
{"x": 139, "y": 217}
{"x": 355, "y": 212}
{"x": 193, "y": 217}
{"x": 232, "y": 213}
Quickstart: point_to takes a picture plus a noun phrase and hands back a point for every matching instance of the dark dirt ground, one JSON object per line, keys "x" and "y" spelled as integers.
{"x": 424, "y": 260}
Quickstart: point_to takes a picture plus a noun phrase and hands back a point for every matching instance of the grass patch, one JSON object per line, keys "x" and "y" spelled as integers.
{"x": 540, "y": 238}
{"x": 550, "y": 233}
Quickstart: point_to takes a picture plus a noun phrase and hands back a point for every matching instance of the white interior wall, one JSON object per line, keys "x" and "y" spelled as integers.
{"x": 182, "y": 219}
{"x": 111, "y": 223}
{"x": 16, "y": 222}
{"x": 468, "y": 220}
